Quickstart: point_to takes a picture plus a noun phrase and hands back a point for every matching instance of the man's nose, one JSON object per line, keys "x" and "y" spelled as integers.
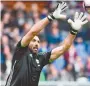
{"x": 36, "y": 43}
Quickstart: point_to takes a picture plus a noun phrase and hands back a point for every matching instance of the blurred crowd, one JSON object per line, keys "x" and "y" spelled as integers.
{"x": 74, "y": 65}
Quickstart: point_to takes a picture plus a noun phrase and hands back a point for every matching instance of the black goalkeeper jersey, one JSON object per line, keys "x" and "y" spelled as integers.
{"x": 26, "y": 67}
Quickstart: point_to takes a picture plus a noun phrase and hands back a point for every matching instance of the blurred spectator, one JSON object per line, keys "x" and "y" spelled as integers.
{"x": 56, "y": 67}
{"x": 67, "y": 73}
{"x": 71, "y": 54}
{"x": 54, "y": 37}
{"x": 26, "y": 28}
{"x": 1, "y": 6}
{"x": 1, "y": 28}
{"x": 88, "y": 15}
{"x": 87, "y": 68}
{"x": 44, "y": 12}
{"x": 19, "y": 14}
{"x": 79, "y": 67}
{"x": 36, "y": 17}
{"x": 19, "y": 6}
{"x": 43, "y": 46}
{"x": 20, "y": 18}
{"x": 81, "y": 50}
{"x": 72, "y": 8}
{"x": 14, "y": 37}
{"x": 53, "y": 75}
{"x": 34, "y": 8}
{"x": 88, "y": 48}
{"x": 2, "y": 62}
{"x": 6, "y": 19}
{"x": 70, "y": 57}
{"x": 6, "y": 55}
{"x": 34, "y": 13}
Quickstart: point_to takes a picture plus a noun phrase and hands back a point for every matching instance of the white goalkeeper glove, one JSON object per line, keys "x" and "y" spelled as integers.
{"x": 57, "y": 13}
{"x": 79, "y": 21}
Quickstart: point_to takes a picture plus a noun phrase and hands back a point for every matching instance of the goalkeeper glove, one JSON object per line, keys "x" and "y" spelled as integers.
{"x": 79, "y": 21}
{"x": 57, "y": 12}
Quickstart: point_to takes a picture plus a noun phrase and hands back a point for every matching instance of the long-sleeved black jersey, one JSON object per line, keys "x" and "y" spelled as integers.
{"x": 26, "y": 67}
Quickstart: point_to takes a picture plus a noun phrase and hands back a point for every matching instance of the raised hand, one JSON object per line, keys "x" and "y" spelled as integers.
{"x": 57, "y": 14}
{"x": 79, "y": 21}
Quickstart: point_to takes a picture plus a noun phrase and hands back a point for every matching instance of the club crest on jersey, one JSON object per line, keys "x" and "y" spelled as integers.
{"x": 30, "y": 55}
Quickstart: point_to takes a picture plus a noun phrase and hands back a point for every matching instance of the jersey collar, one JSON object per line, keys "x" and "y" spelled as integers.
{"x": 34, "y": 54}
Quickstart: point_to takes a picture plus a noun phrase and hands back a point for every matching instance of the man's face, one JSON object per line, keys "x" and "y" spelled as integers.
{"x": 34, "y": 44}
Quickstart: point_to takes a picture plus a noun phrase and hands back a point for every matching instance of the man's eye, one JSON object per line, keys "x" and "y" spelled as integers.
{"x": 38, "y": 41}
{"x": 34, "y": 40}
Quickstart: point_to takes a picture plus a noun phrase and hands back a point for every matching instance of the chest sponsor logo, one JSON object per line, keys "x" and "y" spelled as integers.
{"x": 37, "y": 60}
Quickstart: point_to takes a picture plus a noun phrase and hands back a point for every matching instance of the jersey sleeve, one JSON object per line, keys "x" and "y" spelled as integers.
{"x": 19, "y": 51}
{"x": 45, "y": 58}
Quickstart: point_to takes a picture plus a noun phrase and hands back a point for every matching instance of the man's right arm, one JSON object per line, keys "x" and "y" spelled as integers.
{"x": 57, "y": 14}
{"x": 34, "y": 31}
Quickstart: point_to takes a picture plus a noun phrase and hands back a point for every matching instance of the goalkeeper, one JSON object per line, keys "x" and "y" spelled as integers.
{"x": 27, "y": 62}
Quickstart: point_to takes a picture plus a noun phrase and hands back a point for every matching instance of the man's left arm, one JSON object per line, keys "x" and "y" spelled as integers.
{"x": 64, "y": 46}
{"x": 76, "y": 25}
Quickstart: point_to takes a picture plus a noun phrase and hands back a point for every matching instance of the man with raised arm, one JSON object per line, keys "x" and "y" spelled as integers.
{"x": 27, "y": 62}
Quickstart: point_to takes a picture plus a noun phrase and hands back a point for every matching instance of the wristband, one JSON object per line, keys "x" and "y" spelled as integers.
{"x": 73, "y": 32}
{"x": 50, "y": 17}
